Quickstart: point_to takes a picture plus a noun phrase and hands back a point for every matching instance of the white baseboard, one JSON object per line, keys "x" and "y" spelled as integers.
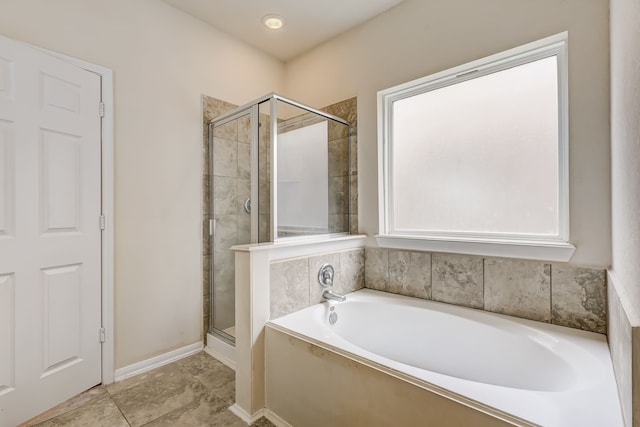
{"x": 157, "y": 361}
{"x": 245, "y": 416}
{"x": 250, "y": 419}
{"x": 222, "y": 351}
{"x": 275, "y": 419}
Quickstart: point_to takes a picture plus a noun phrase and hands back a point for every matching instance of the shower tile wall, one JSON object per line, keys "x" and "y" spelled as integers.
{"x": 233, "y": 226}
{"x": 344, "y": 177}
{"x": 554, "y": 293}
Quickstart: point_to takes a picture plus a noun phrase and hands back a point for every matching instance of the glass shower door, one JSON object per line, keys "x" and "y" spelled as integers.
{"x": 230, "y": 148}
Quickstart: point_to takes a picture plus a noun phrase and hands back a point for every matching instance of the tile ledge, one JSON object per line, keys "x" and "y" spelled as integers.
{"x": 303, "y": 247}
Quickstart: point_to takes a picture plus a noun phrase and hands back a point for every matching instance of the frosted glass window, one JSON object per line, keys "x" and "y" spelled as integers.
{"x": 479, "y": 152}
{"x": 481, "y": 155}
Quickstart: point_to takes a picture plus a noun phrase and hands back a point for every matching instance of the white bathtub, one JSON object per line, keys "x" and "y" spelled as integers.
{"x": 530, "y": 371}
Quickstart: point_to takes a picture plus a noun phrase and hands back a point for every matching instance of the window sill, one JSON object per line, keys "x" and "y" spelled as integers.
{"x": 537, "y": 250}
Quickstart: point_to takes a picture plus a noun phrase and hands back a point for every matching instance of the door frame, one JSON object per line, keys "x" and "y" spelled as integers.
{"x": 107, "y": 186}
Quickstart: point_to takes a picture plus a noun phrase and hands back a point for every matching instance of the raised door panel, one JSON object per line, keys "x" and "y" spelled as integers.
{"x": 61, "y": 296}
{"x": 6, "y": 79}
{"x": 7, "y": 333}
{"x": 60, "y": 181}
{"x": 7, "y": 180}
{"x": 60, "y": 95}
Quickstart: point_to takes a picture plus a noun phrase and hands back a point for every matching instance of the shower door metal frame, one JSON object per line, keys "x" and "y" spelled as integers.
{"x": 232, "y": 115}
{"x": 253, "y": 110}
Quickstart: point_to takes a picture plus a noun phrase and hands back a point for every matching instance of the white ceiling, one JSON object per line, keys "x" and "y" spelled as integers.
{"x": 308, "y": 23}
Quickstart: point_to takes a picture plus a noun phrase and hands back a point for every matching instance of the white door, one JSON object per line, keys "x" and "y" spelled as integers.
{"x": 50, "y": 259}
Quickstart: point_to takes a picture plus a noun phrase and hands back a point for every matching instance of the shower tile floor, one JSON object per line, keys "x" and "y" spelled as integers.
{"x": 194, "y": 391}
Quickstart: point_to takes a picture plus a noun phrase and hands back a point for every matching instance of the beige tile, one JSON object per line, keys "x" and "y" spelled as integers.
{"x": 353, "y": 194}
{"x": 264, "y": 193}
{"x": 351, "y": 271}
{"x": 353, "y": 224}
{"x": 579, "y": 298}
{"x": 88, "y": 397}
{"x": 165, "y": 391}
{"x": 376, "y": 269}
{"x": 206, "y": 239}
{"x": 226, "y": 234}
{"x": 338, "y": 223}
{"x": 315, "y": 288}
{"x": 226, "y": 419}
{"x": 244, "y": 129}
{"x": 338, "y": 195}
{"x": 518, "y": 288}
{"x": 458, "y": 279}
{"x": 228, "y": 130}
{"x": 346, "y": 110}
{"x": 225, "y": 157}
{"x": 225, "y": 195}
{"x": 210, "y": 372}
{"x": 206, "y": 195}
{"x": 338, "y": 157}
{"x": 410, "y": 273}
{"x": 353, "y": 151}
{"x": 244, "y": 193}
{"x": 198, "y": 412}
{"x": 101, "y": 412}
{"x": 289, "y": 290}
{"x": 244, "y": 229}
{"x": 244, "y": 161}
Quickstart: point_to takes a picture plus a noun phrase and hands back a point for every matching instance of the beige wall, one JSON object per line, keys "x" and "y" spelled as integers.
{"x": 419, "y": 37}
{"x": 163, "y": 60}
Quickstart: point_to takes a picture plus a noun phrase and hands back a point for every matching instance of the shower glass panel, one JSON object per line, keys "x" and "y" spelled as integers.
{"x": 279, "y": 170}
{"x": 230, "y": 148}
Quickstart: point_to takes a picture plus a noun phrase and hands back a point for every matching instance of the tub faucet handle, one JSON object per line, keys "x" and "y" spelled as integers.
{"x": 325, "y": 275}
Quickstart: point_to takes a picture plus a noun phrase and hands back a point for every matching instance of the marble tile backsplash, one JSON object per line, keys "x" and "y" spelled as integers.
{"x": 549, "y": 292}
{"x": 294, "y": 282}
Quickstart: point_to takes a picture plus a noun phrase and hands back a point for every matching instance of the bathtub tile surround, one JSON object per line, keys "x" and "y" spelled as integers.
{"x": 578, "y": 299}
{"x": 458, "y": 279}
{"x": 289, "y": 290}
{"x": 555, "y": 293}
{"x": 315, "y": 262}
{"x": 376, "y": 269}
{"x": 294, "y": 282}
{"x": 350, "y": 275}
{"x": 518, "y": 288}
{"x": 410, "y": 274}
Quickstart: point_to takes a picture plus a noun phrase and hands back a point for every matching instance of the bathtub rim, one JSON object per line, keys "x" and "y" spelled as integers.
{"x": 425, "y": 385}
{"x": 594, "y": 343}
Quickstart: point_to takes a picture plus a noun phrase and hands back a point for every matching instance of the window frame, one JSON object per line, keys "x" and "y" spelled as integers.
{"x": 553, "y": 248}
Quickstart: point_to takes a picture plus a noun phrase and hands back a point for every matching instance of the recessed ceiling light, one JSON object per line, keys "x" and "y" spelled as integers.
{"x": 273, "y": 22}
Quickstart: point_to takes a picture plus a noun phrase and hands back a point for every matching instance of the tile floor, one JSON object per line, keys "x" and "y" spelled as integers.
{"x": 195, "y": 391}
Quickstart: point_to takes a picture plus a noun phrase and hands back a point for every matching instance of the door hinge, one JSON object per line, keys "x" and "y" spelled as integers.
{"x": 103, "y": 335}
{"x": 212, "y": 227}
{"x": 101, "y": 109}
{"x": 103, "y": 222}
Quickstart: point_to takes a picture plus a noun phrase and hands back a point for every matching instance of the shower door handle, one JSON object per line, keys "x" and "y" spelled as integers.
{"x": 212, "y": 227}
{"x": 247, "y": 206}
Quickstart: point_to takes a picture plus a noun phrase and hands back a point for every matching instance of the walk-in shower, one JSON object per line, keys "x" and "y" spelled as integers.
{"x": 278, "y": 170}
